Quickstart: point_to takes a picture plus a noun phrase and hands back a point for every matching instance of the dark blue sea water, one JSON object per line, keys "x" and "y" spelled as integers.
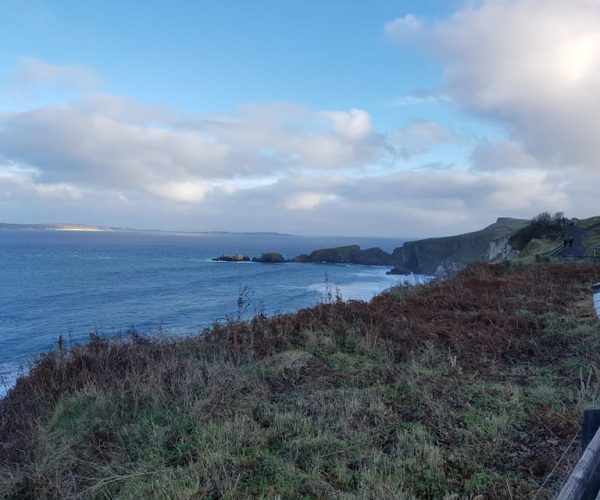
{"x": 74, "y": 283}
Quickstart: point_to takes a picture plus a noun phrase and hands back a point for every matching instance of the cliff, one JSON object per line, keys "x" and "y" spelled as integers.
{"x": 488, "y": 244}
{"x": 430, "y": 255}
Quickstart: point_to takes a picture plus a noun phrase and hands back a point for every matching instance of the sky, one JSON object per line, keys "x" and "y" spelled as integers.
{"x": 390, "y": 118}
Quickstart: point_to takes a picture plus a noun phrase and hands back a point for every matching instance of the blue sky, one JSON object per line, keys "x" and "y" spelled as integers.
{"x": 209, "y": 56}
{"x": 398, "y": 118}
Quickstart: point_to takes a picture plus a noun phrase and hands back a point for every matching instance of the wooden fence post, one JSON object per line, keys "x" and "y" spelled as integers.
{"x": 591, "y": 424}
{"x": 584, "y": 481}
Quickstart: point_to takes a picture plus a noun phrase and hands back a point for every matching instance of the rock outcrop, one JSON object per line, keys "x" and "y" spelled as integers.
{"x": 269, "y": 258}
{"x": 232, "y": 258}
{"x": 302, "y": 258}
{"x": 351, "y": 254}
{"x": 372, "y": 257}
{"x": 501, "y": 249}
{"x": 424, "y": 256}
{"x": 400, "y": 271}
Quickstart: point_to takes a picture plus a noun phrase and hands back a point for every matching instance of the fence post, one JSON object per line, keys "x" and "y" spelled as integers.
{"x": 591, "y": 424}
{"x": 584, "y": 481}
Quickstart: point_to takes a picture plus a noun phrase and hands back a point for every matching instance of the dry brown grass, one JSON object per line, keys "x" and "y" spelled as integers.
{"x": 464, "y": 387}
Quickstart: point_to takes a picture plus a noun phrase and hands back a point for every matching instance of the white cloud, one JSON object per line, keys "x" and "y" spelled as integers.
{"x": 101, "y": 155}
{"x": 58, "y": 191}
{"x": 403, "y": 27}
{"x": 353, "y": 125}
{"x": 294, "y": 136}
{"x": 34, "y": 72}
{"x": 502, "y": 156}
{"x": 17, "y": 179}
{"x": 419, "y": 99}
{"x": 415, "y": 203}
{"x": 532, "y": 65}
{"x": 421, "y": 136}
{"x": 111, "y": 143}
{"x": 307, "y": 201}
{"x": 411, "y": 203}
{"x": 282, "y": 166}
{"x": 187, "y": 191}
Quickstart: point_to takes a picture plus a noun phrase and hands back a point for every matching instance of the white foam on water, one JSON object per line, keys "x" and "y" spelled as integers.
{"x": 366, "y": 290}
{"x": 9, "y": 373}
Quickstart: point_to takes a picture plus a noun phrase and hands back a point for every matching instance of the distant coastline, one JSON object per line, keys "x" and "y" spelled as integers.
{"x": 505, "y": 239}
{"x": 60, "y": 226}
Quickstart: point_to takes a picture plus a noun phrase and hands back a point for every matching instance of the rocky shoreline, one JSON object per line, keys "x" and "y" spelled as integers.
{"x": 351, "y": 254}
{"x": 441, "y": 257}
{"x": 265, "y": 258}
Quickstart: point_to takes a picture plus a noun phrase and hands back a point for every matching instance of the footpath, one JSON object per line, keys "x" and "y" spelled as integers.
{"x": 576, "y": 249}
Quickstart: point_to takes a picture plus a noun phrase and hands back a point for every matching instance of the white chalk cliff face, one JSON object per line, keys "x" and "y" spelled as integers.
{"x": 500, "y": 249}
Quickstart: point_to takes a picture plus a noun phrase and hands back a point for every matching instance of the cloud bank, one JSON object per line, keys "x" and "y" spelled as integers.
{"x": 530, "y": 67}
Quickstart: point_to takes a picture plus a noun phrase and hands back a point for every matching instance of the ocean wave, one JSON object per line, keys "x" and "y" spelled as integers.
{"x": 9, "y": 372}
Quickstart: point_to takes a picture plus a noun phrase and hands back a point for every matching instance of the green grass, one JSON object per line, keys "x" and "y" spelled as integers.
{"x": 468, "y": 387}
{"x": 538, "y": 246}
{"x": 588, "y": 223}
{"x": 530, "y": 237}
{"x": 592, "y": 238}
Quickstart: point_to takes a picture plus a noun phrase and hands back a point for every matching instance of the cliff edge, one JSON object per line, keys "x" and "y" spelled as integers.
{"x": 488, "y": 244}
{"x": 439, "y": 256}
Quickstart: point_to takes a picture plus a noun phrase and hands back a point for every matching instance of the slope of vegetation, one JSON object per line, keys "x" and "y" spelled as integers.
{"x": 536, "y": 246}
{"x": 543, "y": 227}
{"x": 473, "y": 386}
{"x": 591, "y": 240}
{"x": 589, "y": 222}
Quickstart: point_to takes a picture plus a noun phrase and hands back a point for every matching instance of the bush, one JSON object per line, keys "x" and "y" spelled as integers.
{"x": 543, "y": 226}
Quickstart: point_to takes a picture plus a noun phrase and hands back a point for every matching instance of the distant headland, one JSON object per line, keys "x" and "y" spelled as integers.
{"x": 543, "y": 237}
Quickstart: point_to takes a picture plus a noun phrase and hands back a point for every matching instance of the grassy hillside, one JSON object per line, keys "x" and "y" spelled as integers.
{"x": 459, "y": 388}
{"x": 589, "y": 222}
{"x": 591, "y": 239}
{"x": 535, "y": 239}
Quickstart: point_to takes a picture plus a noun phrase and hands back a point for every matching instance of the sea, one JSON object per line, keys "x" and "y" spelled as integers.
{"x": 74, "y": 283}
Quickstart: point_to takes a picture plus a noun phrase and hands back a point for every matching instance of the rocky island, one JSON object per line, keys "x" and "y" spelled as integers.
{"x": 265, "y": 258}
{"x": 269, "y": 258}
{"x": 351, "y": 254}
{"x": 232, "y": 258}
